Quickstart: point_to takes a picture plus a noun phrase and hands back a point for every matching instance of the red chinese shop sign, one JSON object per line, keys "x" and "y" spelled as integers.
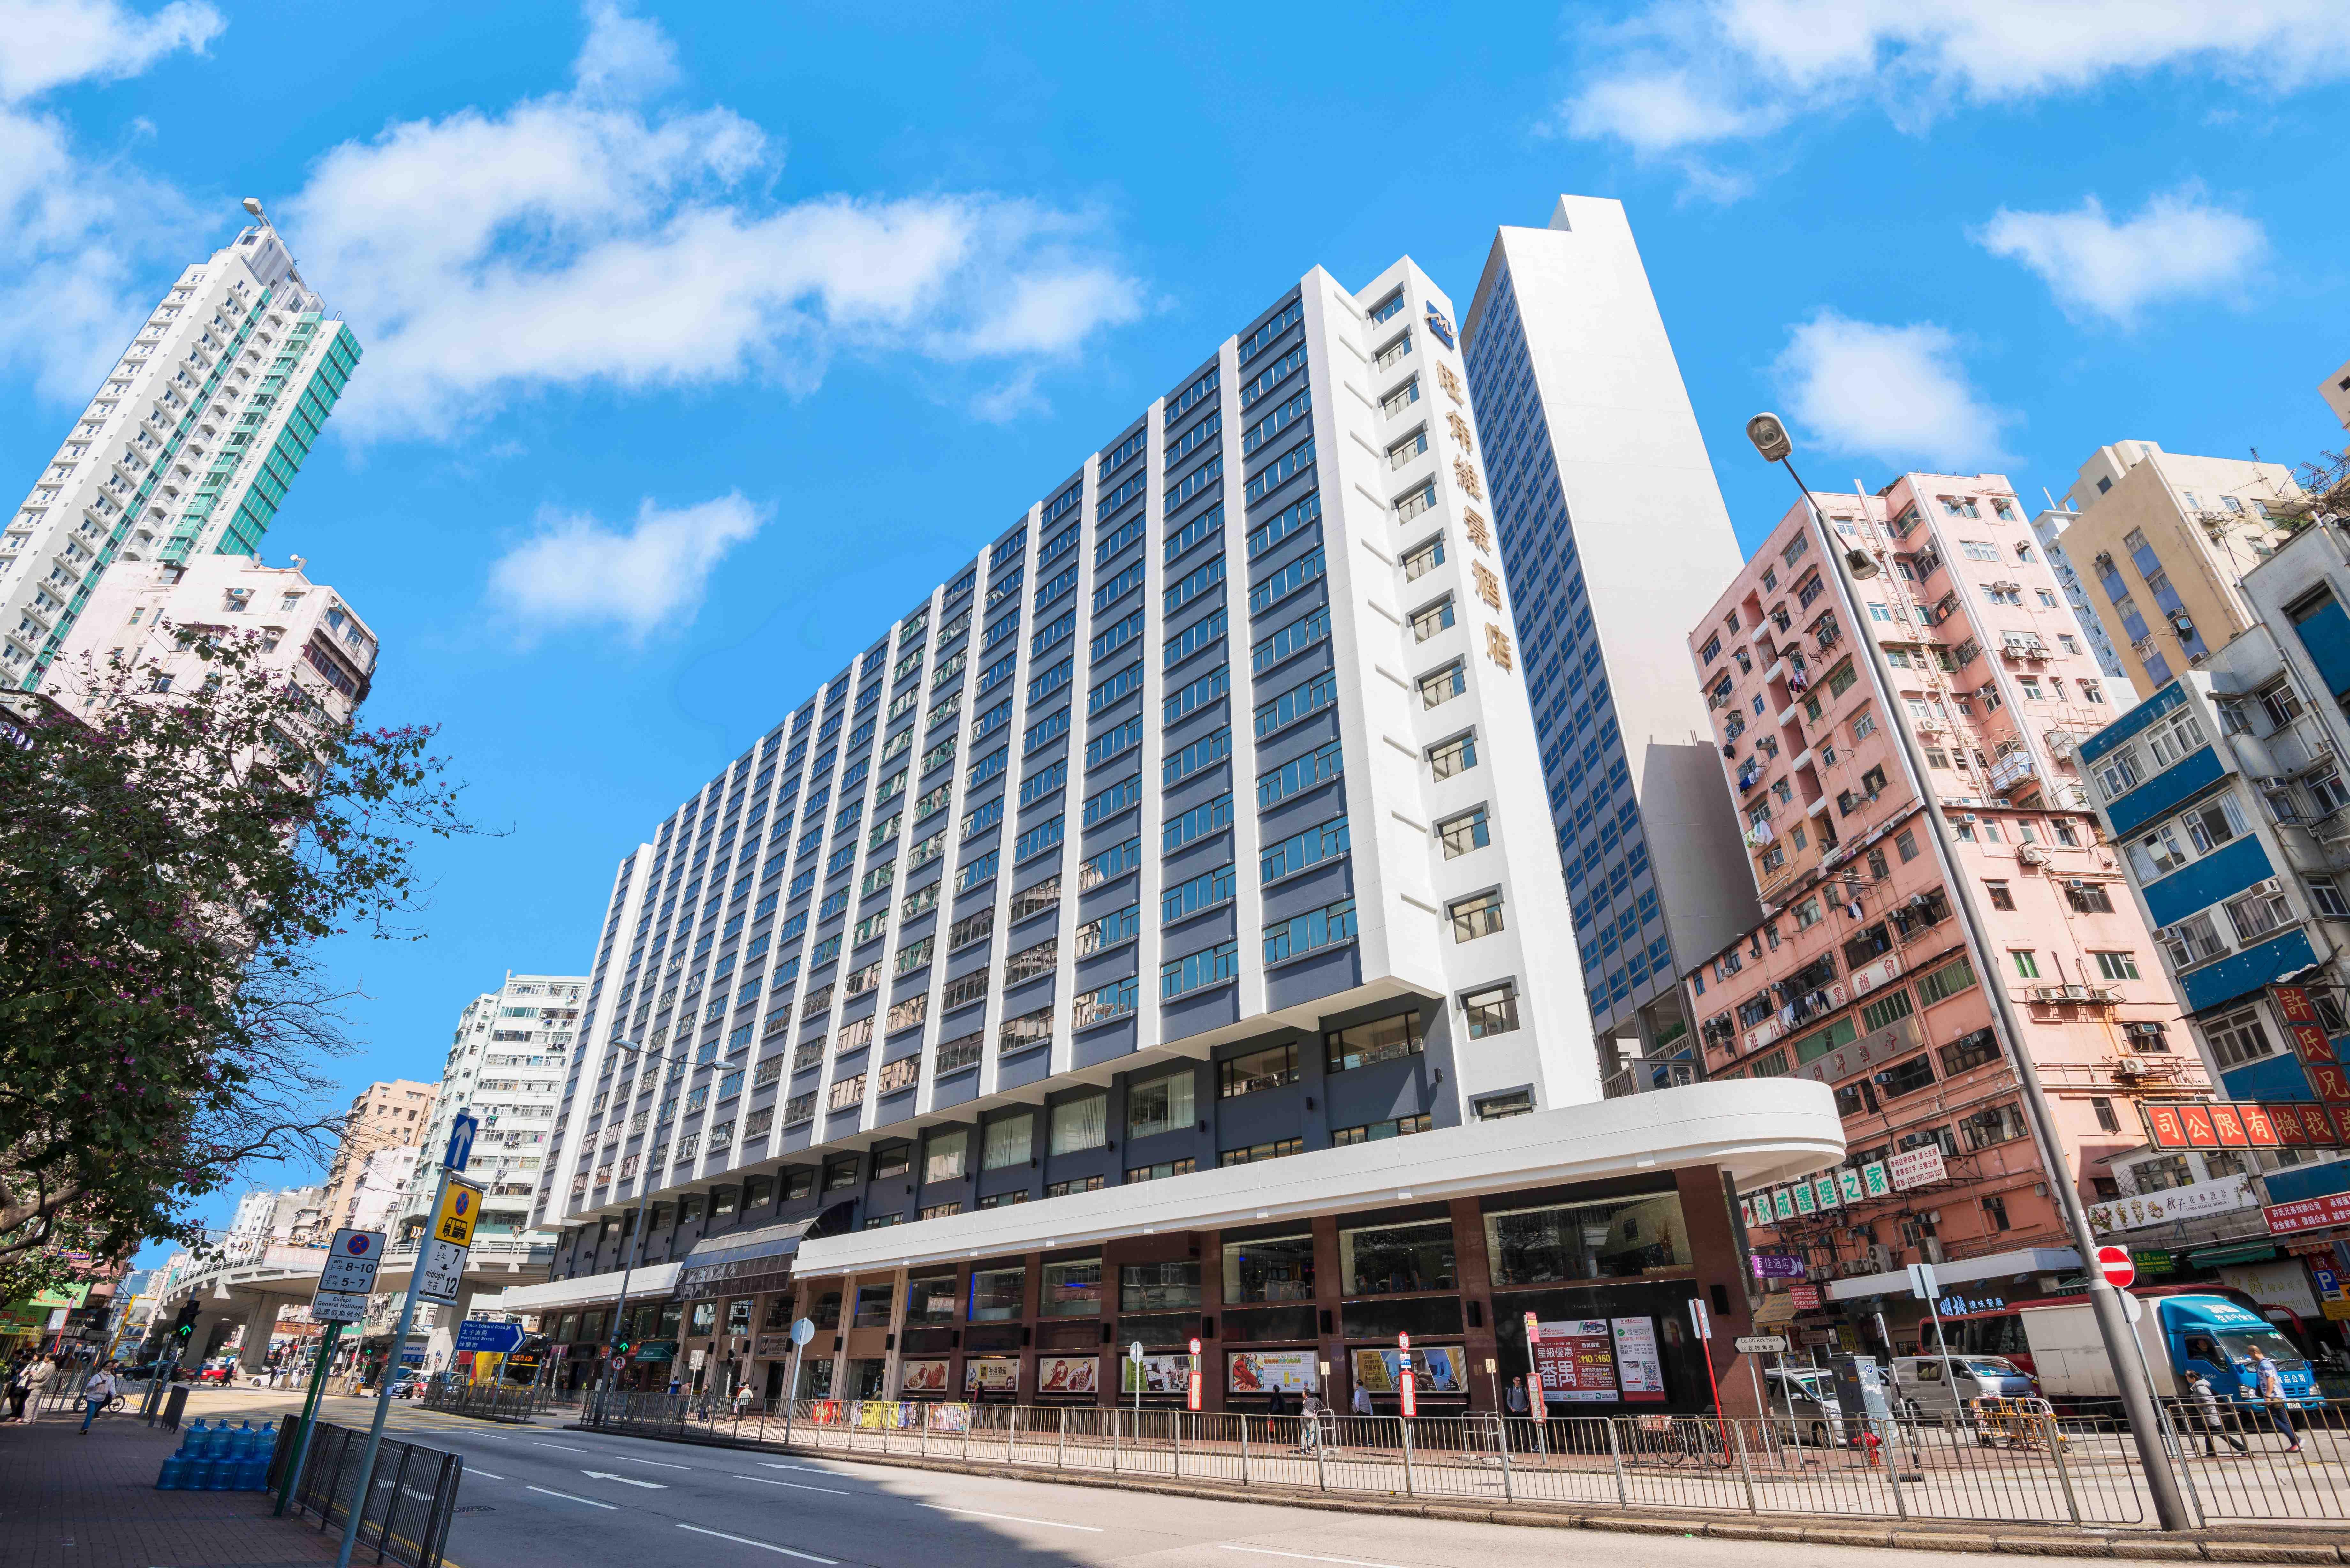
{"x": 2318, "y": 1060}
{"x": 2246, "y": 1124}
{"x": 2309, "y": 1214}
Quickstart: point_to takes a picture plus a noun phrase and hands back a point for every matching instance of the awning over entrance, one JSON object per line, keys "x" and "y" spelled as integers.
{"x": 744, "y": 1263}
{"x": 649, "y": 1282}
{"x": 1961, "y": 1272}
{"x": 2237, "y": 1252}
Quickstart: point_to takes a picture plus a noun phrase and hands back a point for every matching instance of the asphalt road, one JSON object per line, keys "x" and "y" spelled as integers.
{"x": 537, "y": 1497}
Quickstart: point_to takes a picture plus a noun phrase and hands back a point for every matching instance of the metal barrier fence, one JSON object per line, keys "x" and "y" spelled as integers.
{"x": 492, "y": 1401}
{"x": 2037, "y": 1468}
{"x": 410, "y": 1499}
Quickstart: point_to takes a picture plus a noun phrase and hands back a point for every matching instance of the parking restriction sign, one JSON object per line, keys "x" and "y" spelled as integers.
{"x": 460, "y": 1206}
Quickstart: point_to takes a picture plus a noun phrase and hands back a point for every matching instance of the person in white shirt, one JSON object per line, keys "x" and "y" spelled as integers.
{"x": 97, "y": 1393}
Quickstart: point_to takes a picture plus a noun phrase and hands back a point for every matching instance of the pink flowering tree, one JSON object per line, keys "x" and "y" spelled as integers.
{"x": 168, "y": 868}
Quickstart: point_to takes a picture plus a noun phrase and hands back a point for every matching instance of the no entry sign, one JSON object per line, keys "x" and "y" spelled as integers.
{"x": 2114, "y": 1263}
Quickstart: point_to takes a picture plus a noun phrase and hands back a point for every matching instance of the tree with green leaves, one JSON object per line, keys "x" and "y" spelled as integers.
{"x": 169, "y": 865}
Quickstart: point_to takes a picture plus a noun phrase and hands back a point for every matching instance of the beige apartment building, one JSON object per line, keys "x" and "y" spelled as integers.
{"x": 384, "y": 1118}
{"x": 2164, "y": 540}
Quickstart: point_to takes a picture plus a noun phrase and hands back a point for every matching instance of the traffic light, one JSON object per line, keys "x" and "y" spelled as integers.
{"x": 184, "y": 1327}
{"x": 622, "y": 1347}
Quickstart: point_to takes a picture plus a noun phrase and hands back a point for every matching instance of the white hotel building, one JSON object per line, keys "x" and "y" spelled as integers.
{"x": 187, "y": 448}
{"x": 1156, "y": 933}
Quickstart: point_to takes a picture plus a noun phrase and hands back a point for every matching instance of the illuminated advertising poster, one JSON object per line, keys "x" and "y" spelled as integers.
{"x": 991, "y": 1374}
{"x": 1576, "y": 1359}
{"x": 922, "y": 1378}
{"x": 1638, "y": 1364}
{"x": 1262, "y": 1371}
{"x": 1438, "y": 1366}
{"x": 1068, "y": 1374}
{"x": 1155, "y": 1374}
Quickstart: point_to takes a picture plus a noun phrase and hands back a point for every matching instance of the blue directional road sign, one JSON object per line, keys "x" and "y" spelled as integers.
{"x": 460, "y": 1140}
{"x": 475, "y": 1335}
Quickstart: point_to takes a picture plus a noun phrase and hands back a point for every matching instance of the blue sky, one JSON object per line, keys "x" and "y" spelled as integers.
{"x": 699, "y": 341}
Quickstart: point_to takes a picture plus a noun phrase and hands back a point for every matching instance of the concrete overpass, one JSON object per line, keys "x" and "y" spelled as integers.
{"x": 251, "y": 1285}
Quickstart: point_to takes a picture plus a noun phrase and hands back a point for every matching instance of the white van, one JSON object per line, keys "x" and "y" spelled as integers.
{"x": 1932, "y": 1388}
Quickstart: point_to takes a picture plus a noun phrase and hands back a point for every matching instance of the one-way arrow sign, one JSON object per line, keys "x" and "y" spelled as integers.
{"x": 628, "y": 1480}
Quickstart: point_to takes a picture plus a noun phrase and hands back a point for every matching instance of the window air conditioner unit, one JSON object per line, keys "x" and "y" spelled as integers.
{"x": 1969, "y": 816}
{"x": 2269, "y": 888}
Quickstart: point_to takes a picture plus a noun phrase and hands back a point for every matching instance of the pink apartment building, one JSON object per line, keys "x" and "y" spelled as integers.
{"x": 1860, "y": 975}
{"x": 306, "y": 627}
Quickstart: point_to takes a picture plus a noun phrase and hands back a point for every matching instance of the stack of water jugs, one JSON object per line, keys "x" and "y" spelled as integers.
{"x": 219, "y": 1458}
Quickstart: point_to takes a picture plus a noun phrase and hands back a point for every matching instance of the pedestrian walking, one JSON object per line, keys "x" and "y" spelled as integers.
{"x": 2270, "y": 1382}
{"x": 19, "y": 1390}
{"x": 1514, "y": 1397}
{"x": 2205, "y": 1404}
{"x": 37, "y": 1379}
{"x": 1361, "y": 1403}
{"x": 1309, "y": 1430}
{"x": 96, "y": 1392}
{"x": 741, "y": 1400}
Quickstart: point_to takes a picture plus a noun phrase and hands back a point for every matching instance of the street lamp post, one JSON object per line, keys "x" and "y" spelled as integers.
{"x": 635, "y": 1250}
{"x": 1770, "y": 437}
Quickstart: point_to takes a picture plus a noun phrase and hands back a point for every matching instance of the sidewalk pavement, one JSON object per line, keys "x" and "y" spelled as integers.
{"x": 71, "y": 1502}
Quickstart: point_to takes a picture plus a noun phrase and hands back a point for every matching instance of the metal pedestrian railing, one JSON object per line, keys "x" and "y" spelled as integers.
{"x": 409, "y": 1499}
{"x": 494, "y": 1401}
{"x": 2033, "y": 1467}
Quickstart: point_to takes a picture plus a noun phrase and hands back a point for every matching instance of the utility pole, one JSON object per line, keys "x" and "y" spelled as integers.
{"x": 455, "y": 1227}
{"x": 1771, "y": 439}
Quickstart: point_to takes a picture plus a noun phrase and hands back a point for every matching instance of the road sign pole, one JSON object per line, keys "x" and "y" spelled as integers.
{"x": 309, "y": 1415}
{"x": 365, "y": 1481}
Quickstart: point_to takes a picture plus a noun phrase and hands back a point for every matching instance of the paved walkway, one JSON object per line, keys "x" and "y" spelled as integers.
{"x": 71, "y": 1502}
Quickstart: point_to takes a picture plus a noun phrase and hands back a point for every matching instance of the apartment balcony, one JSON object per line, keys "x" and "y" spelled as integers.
{"x": 2012, "y": 770}
{"x": 1644, "y": 1074}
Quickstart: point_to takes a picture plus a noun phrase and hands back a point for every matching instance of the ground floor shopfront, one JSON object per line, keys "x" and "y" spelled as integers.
{"x": 1604, "y": 1224}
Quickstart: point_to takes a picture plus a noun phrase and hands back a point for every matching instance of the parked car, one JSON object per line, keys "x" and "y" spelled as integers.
{"x": 409, "y": 1386}
{"x": 1804, "y": 1406}
{"x": 1939, "y": 1388}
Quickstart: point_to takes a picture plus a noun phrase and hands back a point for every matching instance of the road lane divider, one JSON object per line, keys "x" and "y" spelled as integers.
{"x": 626, "y": 1480}
{"x": 1014, "y": 1518}
{"x": 568, "y": 1498}
{"x": 796, "y": 1486}
{"x": 1301, "y": 1556}
{"x": 763, "y": 1545}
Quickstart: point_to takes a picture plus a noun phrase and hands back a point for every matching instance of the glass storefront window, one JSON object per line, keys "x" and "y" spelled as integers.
{"x": 567, "y": 1328}
{"x": 866, "y": 1377}
{"x": 1380, "y": 1040}
{"x": 1073, "y": 1288}
{"x": 1008, "y": 1140}
{"x": 827, "y": 1310}
{"x": 1276, "y": 1270}
{"x": 816, "y": 1378}
{"x": 873, "y": 1306}
{"x": 591, "y": 1328}
{"x": 705, "y": 1317}
{"x": 1158, "y": 1287}
{"x": 1620, "y": 1238}
{"x": 1159, "y": 1105}
{"x": 930, "y": 1301}
{"x": 942, "y": 1155}
{"x": 671, "y": 1315}
{"x": 738, "y": 1315}
{"x": 997, "y": 1294}
{"x": 1380, "y": 1260}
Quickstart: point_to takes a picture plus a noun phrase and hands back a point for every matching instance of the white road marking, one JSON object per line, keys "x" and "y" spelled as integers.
{"x": 483, "y": 1474}
{"x": 633, "y": 1459}
{"x": 565, "y": 1446}
{"x": 796, "y": 1486}
{"x": 1014, "y": 1518}
{"x": 812, "y": 1470}
{"x": 762, "y": 1545}
{"x": 626, "y": 1480}
{"x": 568, "y": 1498}
{"x": 1301, "y": 1556}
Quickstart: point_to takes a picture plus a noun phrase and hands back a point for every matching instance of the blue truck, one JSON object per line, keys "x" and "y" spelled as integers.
{"x": 2210, "y": 1335}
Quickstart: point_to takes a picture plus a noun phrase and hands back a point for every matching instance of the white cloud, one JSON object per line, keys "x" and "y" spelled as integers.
{"x": 2178, "y": 247}
{"x": 1893, "y": 393}
{"x": 1673, "y": 75}
{"x": 624, "y": 55}
{"x": 581, "y": 238}
{"x": 76, "y": 231}
{"x": 576, "y": 572}
{"x": 46, "y": 44}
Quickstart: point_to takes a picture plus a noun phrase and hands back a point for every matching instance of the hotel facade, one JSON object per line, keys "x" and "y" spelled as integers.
{"x": 1005, "y": 1004}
